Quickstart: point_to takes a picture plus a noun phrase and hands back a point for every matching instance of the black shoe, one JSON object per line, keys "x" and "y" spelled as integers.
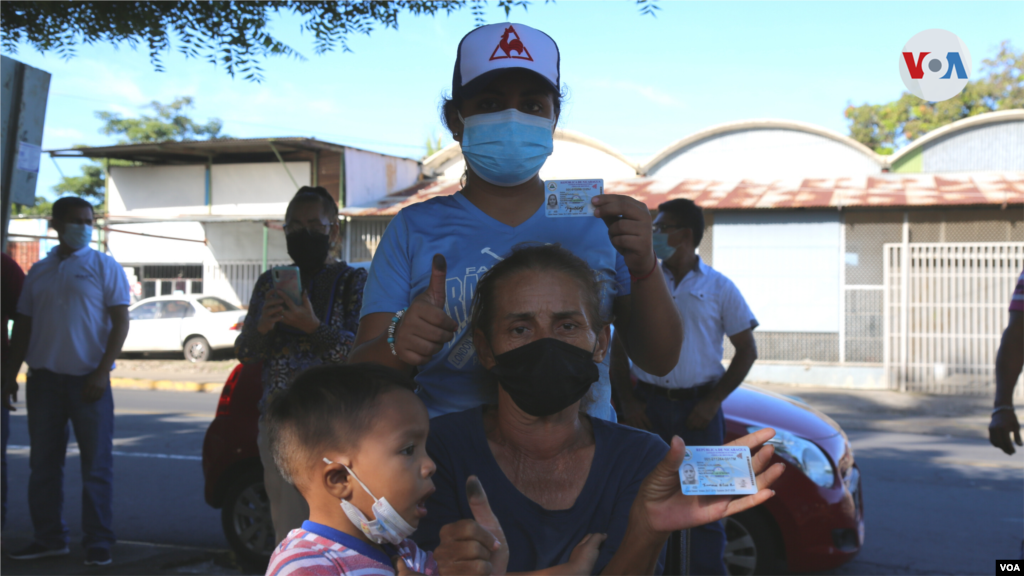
{"x": 97, "y": 557}
{"x": 36, "y": 550}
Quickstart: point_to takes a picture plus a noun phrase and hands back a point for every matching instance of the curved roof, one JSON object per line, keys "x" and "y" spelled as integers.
{"x": 671, "y": 150}
{"x": 959, "y": 125}
{"x": 435, "y": 164}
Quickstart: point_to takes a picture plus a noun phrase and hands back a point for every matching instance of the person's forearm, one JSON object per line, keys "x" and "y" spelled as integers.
{"x": 376, "y": 350}
{"x": 1009, "y": 362}
{"x": 20, "y": 336}
{"x": 618, "y": 370}
{"x": 115, "y": 340}
{"x": 654, "y": 334}
{"x": 639, "y": 550}
{"x": 738, "y": 369}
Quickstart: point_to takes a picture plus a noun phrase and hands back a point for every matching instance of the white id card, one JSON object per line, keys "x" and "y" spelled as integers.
{"x": 717, "y": 471}
{"x": 565, "y": 198}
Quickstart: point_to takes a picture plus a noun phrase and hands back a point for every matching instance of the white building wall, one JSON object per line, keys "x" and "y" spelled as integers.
{"x": 133, "y": 249}
{"x": 261, "y": 188}
{"x": 370, "y": 176}
{"x": 157, "y": 191}
{"x": 989, "y": 147}
{"x": 766, "y": 154}
{"x": 173, "y": 191}
{"x": 786, "y": 265}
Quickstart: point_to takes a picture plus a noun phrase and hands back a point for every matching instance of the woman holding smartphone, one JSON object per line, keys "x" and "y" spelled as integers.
{"x": 289, "y": 337}
{"x": 504, "y": 106}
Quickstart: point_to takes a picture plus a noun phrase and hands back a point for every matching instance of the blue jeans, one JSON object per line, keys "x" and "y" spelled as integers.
{"x": 52, "y": 400}
{"x": 6, "y": 434}
{"x": 668, "y": 418}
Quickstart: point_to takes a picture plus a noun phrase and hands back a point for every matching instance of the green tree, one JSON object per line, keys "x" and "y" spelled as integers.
{"x": 169, "y": 122}
{"x": 434, "y": 145}
{"x": 42, "y": 209}
{"x": 232, "y": 34}
{"x": 886, "y": 127}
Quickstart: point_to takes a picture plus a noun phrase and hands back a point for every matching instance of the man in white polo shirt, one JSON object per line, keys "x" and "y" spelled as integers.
{"x": 688, "y": 401}
{"x": 72, "y": 320}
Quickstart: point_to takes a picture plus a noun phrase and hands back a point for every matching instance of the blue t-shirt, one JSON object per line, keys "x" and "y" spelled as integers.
{"x": 472, "y": 242}
{"x": 537, "y": 538}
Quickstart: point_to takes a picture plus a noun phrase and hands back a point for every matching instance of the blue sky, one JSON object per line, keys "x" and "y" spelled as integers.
{"x": 635, "y": 82}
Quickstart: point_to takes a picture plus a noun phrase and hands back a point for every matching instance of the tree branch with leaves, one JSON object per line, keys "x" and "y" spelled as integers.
{"x": 234, "y": 35}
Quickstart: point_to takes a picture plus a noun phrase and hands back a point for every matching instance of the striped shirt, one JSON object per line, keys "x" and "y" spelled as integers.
{"x": 318, "y": 550}
{"x": 1017, "y": 303}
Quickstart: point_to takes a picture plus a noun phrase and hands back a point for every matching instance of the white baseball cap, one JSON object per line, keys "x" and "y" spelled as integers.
{"x": 489, "y": 50}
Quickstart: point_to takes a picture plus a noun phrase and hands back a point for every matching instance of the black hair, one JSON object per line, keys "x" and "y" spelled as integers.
{"x": 327, "y": 406}
{"x": 687, "y": 215}
{"x": 549, "y": 257}
{"x": 313, "y": 194}
{"x": 450, "y": 107}
{"x": 65, "y": 205}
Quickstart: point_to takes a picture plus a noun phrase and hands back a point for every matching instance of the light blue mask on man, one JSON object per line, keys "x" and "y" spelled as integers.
{"x": 661, "y": 248}
{"x": 507, "y": 148}
{"x": 77, "y": 236}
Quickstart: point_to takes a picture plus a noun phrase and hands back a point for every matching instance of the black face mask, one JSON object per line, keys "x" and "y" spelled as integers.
{"x": 545, "y": 376}
{"x": 308, "y": 249}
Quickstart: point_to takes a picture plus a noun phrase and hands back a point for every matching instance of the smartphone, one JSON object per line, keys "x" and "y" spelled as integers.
{"x": 287, "y": 280}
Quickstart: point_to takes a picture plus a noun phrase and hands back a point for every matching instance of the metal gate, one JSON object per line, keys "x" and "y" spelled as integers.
{"x": 234, "y": 280}
{"x": 945, "y": 310}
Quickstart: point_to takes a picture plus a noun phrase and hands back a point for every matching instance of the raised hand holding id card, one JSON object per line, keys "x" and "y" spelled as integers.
{"x": 569, "y": 198}
{"x": 717, "y": 471}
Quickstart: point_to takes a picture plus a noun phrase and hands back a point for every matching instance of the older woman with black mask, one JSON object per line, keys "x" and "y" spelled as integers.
{"x": 289, "y": 338}
{"x": 569, "y": 494}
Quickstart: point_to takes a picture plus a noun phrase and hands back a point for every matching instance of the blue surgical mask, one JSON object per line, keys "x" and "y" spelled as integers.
{"x": 661, "y": 248}
{"x": 77, "y": 236}
{"x": 507, "y": 148}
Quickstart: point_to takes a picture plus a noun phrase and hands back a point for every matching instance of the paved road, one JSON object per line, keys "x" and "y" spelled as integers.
{"x": 935, "y": 504}
{"x": 158, "y": 479}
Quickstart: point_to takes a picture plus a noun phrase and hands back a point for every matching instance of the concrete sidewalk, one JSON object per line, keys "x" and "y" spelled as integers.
{"x": 166, "y": 375}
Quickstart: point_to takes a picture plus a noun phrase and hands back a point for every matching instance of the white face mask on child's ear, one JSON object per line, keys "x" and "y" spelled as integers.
{"x": 388, "y": 525}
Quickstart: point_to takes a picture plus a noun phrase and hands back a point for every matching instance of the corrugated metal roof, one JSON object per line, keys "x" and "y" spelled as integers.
{"x": 881, "y": 191}
{"x": 198, "y": 150}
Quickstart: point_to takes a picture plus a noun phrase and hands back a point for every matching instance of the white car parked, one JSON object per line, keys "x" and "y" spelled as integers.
{"x": 192, "y": 323}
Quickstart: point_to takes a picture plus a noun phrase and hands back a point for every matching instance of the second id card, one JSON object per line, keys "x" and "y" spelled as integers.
{"x": 717, "y": 471}
{"x": 565, "y": 198}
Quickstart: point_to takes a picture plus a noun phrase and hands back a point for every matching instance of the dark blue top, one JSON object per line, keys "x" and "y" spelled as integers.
{"x": 537, "y": 538}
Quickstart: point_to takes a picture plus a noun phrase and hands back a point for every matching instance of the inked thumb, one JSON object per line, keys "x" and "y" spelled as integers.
{"x": 674, "y": 459}
{"x": 482, "y": 509}
{"x": 438, "y": 274}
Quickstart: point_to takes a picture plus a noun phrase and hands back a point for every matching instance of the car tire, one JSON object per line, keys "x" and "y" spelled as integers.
{"x": 197, "y": 349}
{"x": 753, "y": 545}
{"x": 245, "y": 517}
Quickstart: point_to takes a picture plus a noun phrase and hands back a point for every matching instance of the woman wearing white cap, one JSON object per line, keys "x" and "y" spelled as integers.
{"x": 416, "y": 307}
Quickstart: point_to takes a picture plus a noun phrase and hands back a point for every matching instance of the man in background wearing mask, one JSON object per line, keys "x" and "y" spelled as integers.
{"x": 72, "y": 320}
{"x": 688, "y": 401}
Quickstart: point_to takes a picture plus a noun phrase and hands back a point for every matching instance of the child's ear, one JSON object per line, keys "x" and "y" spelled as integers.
{"x": 337, "y": 481}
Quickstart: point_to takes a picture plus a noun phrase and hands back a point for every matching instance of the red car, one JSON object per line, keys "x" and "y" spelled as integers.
{"x": 815, "y": 521}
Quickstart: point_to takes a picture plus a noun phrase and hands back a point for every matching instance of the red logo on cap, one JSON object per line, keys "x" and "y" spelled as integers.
{"x": 509, "y": 46}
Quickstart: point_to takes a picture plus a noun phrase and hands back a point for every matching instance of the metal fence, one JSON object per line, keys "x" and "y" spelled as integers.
{"x": 362, "y": 235}
{"x": 234, "y": 280}
{"x": 945, "y": 310}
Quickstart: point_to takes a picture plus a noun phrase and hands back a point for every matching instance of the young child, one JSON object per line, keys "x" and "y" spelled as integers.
{"x": 352, "y": 439}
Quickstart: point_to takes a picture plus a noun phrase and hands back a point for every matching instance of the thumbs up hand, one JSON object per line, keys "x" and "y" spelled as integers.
{"x": 475, "y": 546}
{"x": 425, "y": 328}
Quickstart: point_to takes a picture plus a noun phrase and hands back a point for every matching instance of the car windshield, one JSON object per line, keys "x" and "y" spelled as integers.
{"x": 216, "y": 304}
